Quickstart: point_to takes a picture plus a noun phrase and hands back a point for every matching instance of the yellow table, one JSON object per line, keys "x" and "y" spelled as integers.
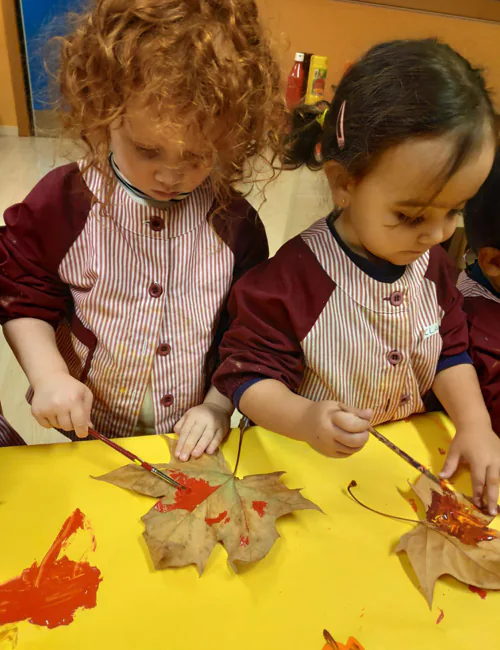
{"x": 332, "y": 571}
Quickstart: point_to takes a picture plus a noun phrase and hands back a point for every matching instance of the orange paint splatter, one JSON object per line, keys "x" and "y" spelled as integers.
{"x": 351, "y": 644}
{"x": 50, "y": 593}
{"x": 413, "y": 504}
{"x": 442, "y": 451}
{"x": 218, "y": 519}
{"x": 197, "y": 490}
{"x": 259, "y": 507}
{"x": 482, "y": 593}
{"x": 244, "y": 541}
{"x": 458, "y": 520}
{"x": 440, "y": 617}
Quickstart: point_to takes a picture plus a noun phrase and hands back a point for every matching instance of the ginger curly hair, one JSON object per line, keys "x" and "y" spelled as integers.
{"x": 202, "y": 60}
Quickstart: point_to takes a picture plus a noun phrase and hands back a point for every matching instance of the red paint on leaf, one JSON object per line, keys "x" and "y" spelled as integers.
{"x": 244, "y": 541}
{"x": 440, "y": 617}
{"x": 413, "y": 504}
{"x": 216, "y": 520}
{"x": 226, "y": 521}
{"x": 482, "y": 593}
{"x": 458, "y": 520}
{"x": 50, "y": 593}
{"x": 259, "y": 507}
{"x": 196, "y": 490}
{"x": 442, "y": 451}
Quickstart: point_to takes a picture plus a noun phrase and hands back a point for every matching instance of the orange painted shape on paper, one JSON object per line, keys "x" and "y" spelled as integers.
{"x": 351, "y": 644}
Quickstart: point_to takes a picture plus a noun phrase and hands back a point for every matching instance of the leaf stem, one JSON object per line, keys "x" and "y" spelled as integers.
{"x": 243, "y": 426}
{"x": 353, "y": 484}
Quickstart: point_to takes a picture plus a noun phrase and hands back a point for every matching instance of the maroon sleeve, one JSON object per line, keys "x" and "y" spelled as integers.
{"x": 272, "y": 310}
{"x": 37, "y": 235}
{"x": 484, "y": 348}
{"x": 453, "y": 329}
{"x": 239, "y": 226}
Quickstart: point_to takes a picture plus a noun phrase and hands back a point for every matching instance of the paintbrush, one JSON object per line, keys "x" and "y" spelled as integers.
{"x": 402, "y": 454}
{"x": 414, "y": 463}
{"x": 136, "y": 459}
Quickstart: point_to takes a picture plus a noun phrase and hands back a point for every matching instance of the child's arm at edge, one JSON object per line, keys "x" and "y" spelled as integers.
{"x": 59, "y": 401}
{"x": 458, "y": 390}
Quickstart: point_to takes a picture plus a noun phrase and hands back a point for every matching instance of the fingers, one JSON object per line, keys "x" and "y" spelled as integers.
{"x": 189, "y": 439}
{"x": 219, "y": 436}
{"x": 350, "y": 422}
{"x": 364, "y": 414}
{"x": 80, "y": 416}
{"x": 451, "y": 463}
{"x": 491, "y": 489}
{"x": 478, "y": 477}
{"x": 351, "y": 442}
{"x": 202, "y": 444}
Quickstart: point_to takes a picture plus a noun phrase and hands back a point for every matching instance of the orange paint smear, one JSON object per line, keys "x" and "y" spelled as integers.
{"x": 244, "y": 541}
{"x": 458, "y": 520}
{"x": 197, "y": 490}
{"x": 259, "y": 507}
{"x": 442, "y": 451}
{"x": 482, "y": 593}
{"x": 218, "y": 519}
{"x": 440, "y": 617}
{"x": 50, "y": 593}
{"x": 413, "y": 504}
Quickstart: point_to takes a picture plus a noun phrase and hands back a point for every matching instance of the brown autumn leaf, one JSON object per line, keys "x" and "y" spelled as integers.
{"x": 184, "y": 525}
{"x": 454, "y": 539}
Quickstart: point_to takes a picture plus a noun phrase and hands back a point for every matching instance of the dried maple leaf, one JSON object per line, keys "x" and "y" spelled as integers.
{"x": 454, "y": 539}
{"x": 185, "y": 524}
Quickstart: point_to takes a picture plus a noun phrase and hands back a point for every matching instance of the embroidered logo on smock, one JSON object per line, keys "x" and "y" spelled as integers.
{"x": 430, "y": 330}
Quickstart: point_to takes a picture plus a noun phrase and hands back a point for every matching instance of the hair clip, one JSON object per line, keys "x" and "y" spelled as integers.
{"x": 340, "y": 126}
{"x": 321, "y": 118}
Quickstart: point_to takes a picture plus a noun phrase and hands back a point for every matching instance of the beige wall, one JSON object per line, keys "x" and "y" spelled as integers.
{"x": 343, "y": 30}
{"x": 7, "y": 106}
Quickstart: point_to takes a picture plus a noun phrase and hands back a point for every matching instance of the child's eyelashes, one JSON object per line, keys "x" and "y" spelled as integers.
{"x": 147, "y": 153}
{"x": 411, "y": 221}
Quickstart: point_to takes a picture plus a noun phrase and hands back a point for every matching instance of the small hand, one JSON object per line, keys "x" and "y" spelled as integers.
{"x": 62, "y": 402}
{"x": 482, "y": 453}
{"x": 201, "y": 429}
{"x": 337, "y": 430}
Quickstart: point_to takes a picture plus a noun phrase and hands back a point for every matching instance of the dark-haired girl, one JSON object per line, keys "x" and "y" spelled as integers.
{"x": 358, "y": 320}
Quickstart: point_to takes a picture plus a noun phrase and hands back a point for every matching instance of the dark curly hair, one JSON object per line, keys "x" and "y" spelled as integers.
{"x": 398, "y": 90}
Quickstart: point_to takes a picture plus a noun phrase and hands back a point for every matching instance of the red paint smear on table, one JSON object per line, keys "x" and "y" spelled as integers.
{"x": 218, "y": 519}
{"x": 458, "y": 520}
{"x": 259, "y": 507}
{"x": 244, "y": 541}
{"x": 413, "y": 504}
{"x": 196, "y": 490}
{"x": 482, "y": 593}
{"x": 50, "y": 593}
{"x": 440, "y": 617}
{"x": 442, "y": 451}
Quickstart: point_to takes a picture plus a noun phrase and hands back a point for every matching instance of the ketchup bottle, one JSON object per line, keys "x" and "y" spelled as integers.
{"x": 296, "y": 78}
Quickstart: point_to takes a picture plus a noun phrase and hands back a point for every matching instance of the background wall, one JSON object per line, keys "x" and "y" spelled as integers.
{"x": 7, "y": 105}
{"x": 340, "y": 30}
{"x": 343, "y": 30}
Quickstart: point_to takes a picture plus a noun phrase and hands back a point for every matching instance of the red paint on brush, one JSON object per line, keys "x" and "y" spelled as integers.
{"x": 458, "y": 520}
{"x": 218, "y": 519}
{"x": 440, "y": 617}
{"x": 259, "y": 507}
{"x": 413, "y": 504}
{"x": 244, "y": 541}
{"x": 50, "y": 593}
{"x": 196, "y": 490}
{"x": 482, "y": 593}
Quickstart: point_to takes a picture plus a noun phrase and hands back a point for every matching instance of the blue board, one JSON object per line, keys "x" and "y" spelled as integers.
{"x": 42, "y": 19}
